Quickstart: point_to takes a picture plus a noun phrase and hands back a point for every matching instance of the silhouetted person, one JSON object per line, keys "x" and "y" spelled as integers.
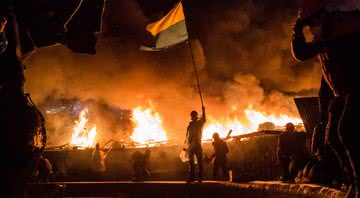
{"x": 193, "y": 139}
{"x": 30, "y": 25}
{"x": 291, "y": 152}
{"x": 325, "y": 154}
{"x": 44, "y": 171}
{"x": 98, "y": 162}
{"x": 220, "y": 158}
{"x": 140, "y": 165}
{"x": 3, "y": 39}
{"x": 338, "y": 52}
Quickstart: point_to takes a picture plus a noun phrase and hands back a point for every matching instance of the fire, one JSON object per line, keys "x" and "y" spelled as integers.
{"x": 246, "y": 125}
{"x": 148, "y": 126}
{"x": 82, "y": 137}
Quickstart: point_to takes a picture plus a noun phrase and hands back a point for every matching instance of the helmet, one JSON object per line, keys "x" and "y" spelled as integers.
{"x": 216, "y": 135}
{"x": 194, "y": 113}
{"x": 290, "y": 127}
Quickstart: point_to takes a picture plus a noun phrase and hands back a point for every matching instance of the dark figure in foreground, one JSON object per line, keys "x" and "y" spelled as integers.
{"x": 291, "y": 153}
{"x": 338, "y": 52}
{"x": 98, "y": 162}
{"x": 44, "y": 171}
{"x": 323, "y": 166}
{"x": 220, "y": 158}
{"x": 140, "y": 165}
{"x": 193, "y": 141}
{"x": 32, "y": 24}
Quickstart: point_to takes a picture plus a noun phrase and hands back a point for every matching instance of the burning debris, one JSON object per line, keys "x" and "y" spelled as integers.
{"x": 147, "y": 126}
{"x": 82, "y": 137}
{"x": 143, "y": 126}
{"x": 253, "y": 119}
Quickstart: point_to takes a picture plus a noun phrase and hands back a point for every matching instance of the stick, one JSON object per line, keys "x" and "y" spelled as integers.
{"x": 196, "y": 73}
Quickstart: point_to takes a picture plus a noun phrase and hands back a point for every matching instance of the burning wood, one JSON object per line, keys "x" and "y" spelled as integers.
{"x": 148, "y": 130}
{"x": 82, "y": 137}
{"x": 246, "y": 125}
{"x": 148, "y": 127}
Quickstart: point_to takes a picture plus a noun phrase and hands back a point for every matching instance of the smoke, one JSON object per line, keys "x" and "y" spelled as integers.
{"x": 248, "y": 62}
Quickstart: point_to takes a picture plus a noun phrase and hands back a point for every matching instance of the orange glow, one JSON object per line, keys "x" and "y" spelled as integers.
{"x": 148, "y": 126}
{"x": 246, "y": 125}
{"x": 82, "y": 137}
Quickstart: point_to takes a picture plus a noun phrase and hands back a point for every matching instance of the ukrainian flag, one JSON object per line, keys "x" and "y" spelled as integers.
{"x": 169, "y": 30}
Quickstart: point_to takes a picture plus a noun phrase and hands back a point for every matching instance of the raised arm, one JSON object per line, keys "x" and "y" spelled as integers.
{"x": 203, "y": 116}
{"x": 302, "y": 50}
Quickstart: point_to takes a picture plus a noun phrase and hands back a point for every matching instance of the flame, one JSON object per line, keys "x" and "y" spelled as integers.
{"x": 247, "y": 125}
{"x": 82, "y": 137}
{"x": 148, "y": 126}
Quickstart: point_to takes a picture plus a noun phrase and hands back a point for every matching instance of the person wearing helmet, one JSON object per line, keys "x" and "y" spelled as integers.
{"x": 193, "y": 139}
{"x": 291, "y": 153}
{"x": 219, "y": 156}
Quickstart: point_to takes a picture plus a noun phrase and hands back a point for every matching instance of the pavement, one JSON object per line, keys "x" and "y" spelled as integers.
{"x": 180, "y": 189}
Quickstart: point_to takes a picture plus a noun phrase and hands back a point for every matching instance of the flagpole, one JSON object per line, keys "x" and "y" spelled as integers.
{"x": 194, "y": 63}
{"x": 196, "y": 73}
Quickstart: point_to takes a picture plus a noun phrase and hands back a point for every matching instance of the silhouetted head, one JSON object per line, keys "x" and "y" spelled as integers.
{"x": 194, "y": 115}
{"x": 216, "y": 136}
{"x": 289, "y": 127}
{"x": 97, "y": 146}
{"x": 147, "y": 153}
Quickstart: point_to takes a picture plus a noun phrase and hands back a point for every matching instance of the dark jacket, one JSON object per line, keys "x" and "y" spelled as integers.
{"x": 194, "y": 131}
{"x": 292, "y": 145}
{"x": 220, "y": 149}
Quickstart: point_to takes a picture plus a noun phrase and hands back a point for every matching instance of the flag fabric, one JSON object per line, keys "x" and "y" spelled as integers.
{"x": 169, "y": 30}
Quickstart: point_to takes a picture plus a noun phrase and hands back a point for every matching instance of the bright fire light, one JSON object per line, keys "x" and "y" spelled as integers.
{"x": 147, "y": 126}
{"x": 249, "y": 124}
{"x": 82, "y": 137}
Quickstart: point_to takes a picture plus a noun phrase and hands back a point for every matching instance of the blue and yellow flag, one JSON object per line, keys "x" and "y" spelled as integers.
{"x": 169, "y": 30}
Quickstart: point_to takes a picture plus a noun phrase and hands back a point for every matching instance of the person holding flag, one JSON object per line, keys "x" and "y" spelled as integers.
{"x": 193, "y": 140}
{"x": 169, "y": 31}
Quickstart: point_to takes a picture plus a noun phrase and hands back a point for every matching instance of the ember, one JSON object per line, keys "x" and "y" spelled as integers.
{"x": 82, "y": 137}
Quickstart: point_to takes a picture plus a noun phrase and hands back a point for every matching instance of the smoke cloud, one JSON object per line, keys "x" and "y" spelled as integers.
{"x": 244, "y": 60}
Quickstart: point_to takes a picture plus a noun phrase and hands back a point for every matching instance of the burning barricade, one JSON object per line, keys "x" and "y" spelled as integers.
{"x": 148, "y": 133}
